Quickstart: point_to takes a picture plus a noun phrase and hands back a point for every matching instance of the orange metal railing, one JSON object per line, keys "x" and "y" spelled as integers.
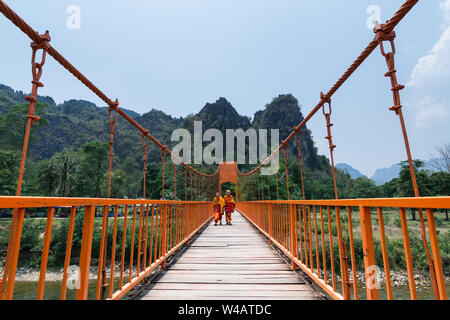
{"x": 306, "y": 232}
{"x": 157, "y": 229}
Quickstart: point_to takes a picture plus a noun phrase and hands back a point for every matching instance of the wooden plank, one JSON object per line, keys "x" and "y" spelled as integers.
{"x": 222, "y": 298}
{"x": 237, "y": 267}
{"x": 221, "y": 260}
{"x": 231, "y": 286}
{"x": 187, "y": 294}
{"x": 223, "y": 273}
{"x": 230, "y": 262}
{"x": 236, "y": 279}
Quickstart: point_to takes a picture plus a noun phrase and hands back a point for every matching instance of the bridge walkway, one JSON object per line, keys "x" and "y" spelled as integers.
{"x": 230, "y": 262}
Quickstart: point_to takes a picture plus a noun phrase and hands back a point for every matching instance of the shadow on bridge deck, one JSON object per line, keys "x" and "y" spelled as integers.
{"x": 230, "y": 262}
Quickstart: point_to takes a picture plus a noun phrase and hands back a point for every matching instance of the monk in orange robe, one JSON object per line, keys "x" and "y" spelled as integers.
{"x": 229, "y": 206}
{"x": 218, "y": 205}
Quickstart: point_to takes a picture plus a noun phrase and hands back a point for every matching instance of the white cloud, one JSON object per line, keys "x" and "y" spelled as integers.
{"x": 430, "y": 78}
{"x": 445, "y": 7}
{"x": 435, "y": 64}
{"x": 431, "y": 111}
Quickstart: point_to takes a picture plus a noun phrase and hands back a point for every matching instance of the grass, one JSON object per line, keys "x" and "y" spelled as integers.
{"x": 394, "y": 238}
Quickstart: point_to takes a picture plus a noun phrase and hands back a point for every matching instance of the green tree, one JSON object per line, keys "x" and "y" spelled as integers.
{"x": 389, "y": 189}
{"x": 12, "y": 126}
{"x": 364, "y": 188}
{"x": 153, "y": 187}
{"x": 9, "y": 168}
{"x": 344, "y": 183}
{"x": 119, "y": 181}
{"x": 440, "y": 182}
{"x": 134, "y": 173}
{"x": 92, "y": 170}
{"x": 47, "y": 177}
{"x": 65, "y": 165}
{"x": 405, "y": 185}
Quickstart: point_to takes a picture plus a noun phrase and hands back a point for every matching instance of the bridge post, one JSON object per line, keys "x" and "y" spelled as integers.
{"x": 436, "y": 255}
{"x": 12, "y": 256}
{"x": 187, "y": 222}
{"x": 270, "y": 223}
{"x": 293, "y": 235}
{"x": 85, "y": 255}
{"x": 343, "y": 259}
{"x": 368, "y": 251}
{"x": 164, "y": 237}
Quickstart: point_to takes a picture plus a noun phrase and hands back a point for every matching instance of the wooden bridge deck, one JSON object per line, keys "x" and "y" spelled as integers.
{"x": 230, "y": 262}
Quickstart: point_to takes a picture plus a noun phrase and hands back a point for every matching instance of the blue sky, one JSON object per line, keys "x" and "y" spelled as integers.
{"x": 176, "y": 55}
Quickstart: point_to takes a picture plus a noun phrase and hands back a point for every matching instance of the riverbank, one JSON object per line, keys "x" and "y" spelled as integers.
{"x": 398, "y": 278}
{"x": 32, "y": 275}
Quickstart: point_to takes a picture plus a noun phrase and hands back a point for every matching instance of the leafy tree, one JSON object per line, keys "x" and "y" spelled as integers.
{"x": 389, "y": 189}
{"x": 9, "y": 167}
{"x": 344, "y": 183}
{"x": 153, "y": 187}
{"x": 12, "y": 126}
{"x": 364, "y": 188}
{"x": 119, "y": 181}
{"x": 65, "y": 165}
{"x": 47, "y": 177}
{"x": 134, "y": 172}
{"x": 92, "y": 169}
{"x": 440, "y": 182}
{"x": 405, "y": 185}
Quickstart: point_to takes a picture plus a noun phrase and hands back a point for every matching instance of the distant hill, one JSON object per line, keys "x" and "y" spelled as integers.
{"x": 384, "y": 175}
{"x": 283, "y": 113}
{"x": 131, "y": 113}
{"x": 349, "y": 169}
{"x": 10, "y": 97}
{"x": 220, "y": 115}
{"x": 74, "y": 122}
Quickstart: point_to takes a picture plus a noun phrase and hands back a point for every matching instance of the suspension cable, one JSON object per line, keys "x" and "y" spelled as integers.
{"x": 383, "y": 37}
{"x": 163, "y": 154}
{"x": 112, "y": 126}
{"x": 286, "y": 170}
{"x": 175, "y": 179}
{"x": 185, "y": 183}
{"x": 298, "y": 140}
{"x": 329, "y": 137}
{"x": 41, "y": 43}
{"x": 276, "y": 182}
{"x": 144, "y": 160}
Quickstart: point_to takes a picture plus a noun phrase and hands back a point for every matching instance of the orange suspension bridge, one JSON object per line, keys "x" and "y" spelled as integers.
{"x": 298, "y": 229}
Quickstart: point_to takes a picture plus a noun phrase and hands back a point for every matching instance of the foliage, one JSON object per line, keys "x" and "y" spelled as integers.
{"x": 12, "y": 126}
{"x": 9, "y": 164}
{"x": 364, "y": 187}
{"x": 92, "y": 169}
{"x": 404, "y": 184}
{"x": 47, "y": 177}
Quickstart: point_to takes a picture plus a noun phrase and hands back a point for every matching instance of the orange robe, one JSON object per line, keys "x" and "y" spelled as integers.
{"x": 229, "y": 206}
{"x": 218, "y": 208}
